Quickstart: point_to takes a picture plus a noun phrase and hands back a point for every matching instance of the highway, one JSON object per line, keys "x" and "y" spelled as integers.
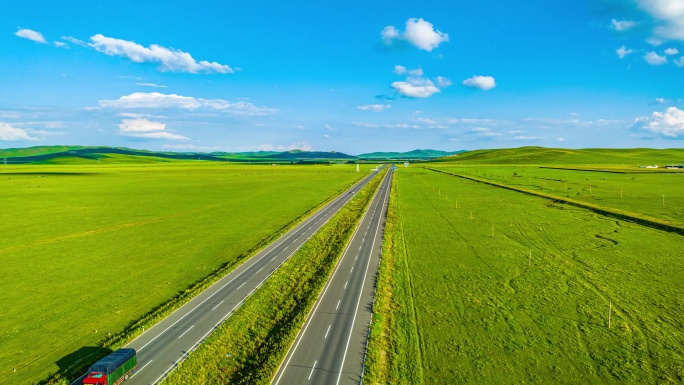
{"x": 331, "y": 346}
{"x": 162, "y": 347}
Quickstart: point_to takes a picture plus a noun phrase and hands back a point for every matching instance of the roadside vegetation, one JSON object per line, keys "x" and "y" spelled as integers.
{"x": 487, "y": 285}
{"x": 92, "y": 255}
{"x": 248, "y": 347}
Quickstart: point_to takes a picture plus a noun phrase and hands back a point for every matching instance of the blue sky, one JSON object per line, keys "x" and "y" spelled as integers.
{"x": 352, "y": 76}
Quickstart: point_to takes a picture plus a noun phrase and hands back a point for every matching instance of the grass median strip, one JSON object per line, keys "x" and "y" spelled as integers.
{"x": 248, "y": 346}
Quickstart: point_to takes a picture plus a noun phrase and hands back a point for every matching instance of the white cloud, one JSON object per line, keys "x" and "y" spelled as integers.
{"x": 374, "y": 107}
{"x": 623, "y": 51}
{"x": 61, "y": 44}
{"x": 401, "y": 70}
{"x": 73, "y": 40}
{"x": 389, "y": 33}
{"x": 528, "y": 138}
{"x": 169, "y": 59}
{"x": 416, "y": 88}
{"x": 443, "y": 82}
{"x": 481, "y": 82}
{"x": 654, "y": 41}
{"x": 669, "y": 124}
{"x": 364, "y": 124}
{"x": 329, "y": 127}
{"x": 660, "y": 100}
{"x": 622, "y": 25}
{"x": 326, "y": 135}
{"x": 419, "y": 33}
{"x": 31, "y": 35}
{"x": 654, "y": 59}
{"x": 150, "y": 85}
{"x": 143, "y": 128}
{"x": 669, "y": 15}
{"x": 561, "y": 139}
{"x": 671, "y": 51}
{"x": 680, "y": 62}
{"x": 156, "y": 100}
{"x": 9, "y": 133}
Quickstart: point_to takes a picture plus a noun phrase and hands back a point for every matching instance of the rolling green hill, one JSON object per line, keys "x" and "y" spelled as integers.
{"x": 559, "y": 156}
{"x": 415, "y": 154}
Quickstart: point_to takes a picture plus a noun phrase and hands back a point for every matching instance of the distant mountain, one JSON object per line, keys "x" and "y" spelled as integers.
{"x": 415, "y": 154}
{"x": 306, "y": 155}
{"x": 84, "y": 154}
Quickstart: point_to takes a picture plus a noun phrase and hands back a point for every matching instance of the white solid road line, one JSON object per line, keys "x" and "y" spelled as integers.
{"x": 318, "y": 301}
{"x": 363, "y": 282}
{"x": 186, "y": 331}
{"x": 312, "y": 369}
{"x": 140, "y": 370}
{"x": 336, "y": 201}
{"x": 217, "y": 305}
{"x": 327, "y": 331}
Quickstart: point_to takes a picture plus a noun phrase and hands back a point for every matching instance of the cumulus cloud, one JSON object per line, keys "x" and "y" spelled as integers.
{"x": 374, "y": 107}
{"x": 669, "y": 124}
{"x": 143, "y": 128}
{"x": 416, "y": 88}
{"x": 660, "y": 100}
{"x": 654, "y": 59}
{"x": 61, "y": 44}
{"x": 623, "y": 51}
{"x": 482, "y": 82}
{"x": 671, "y": 51}
{"x": 680, "y": 62}
{"x": 419, "y": 32}
{"x": 9, "y": 133}
{"x": 156, "y": 100}
{"x": 622, "y": 25}
{"x": 31, "y": 35}
{"x": 669, "y": 16}
{"x": 169, "y": 59}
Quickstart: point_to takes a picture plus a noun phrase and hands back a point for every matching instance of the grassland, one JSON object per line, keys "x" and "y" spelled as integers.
{"x": 487, "y": 285}
{"x": 248, "y": 346}
{"x": 86, "y": 250}
{"x": 656, "y": 194}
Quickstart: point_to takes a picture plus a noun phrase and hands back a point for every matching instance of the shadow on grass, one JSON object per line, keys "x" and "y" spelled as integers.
{"x": 76, "y": 363}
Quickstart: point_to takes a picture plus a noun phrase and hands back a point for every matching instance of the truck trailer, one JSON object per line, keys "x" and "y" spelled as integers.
{"x": 113, "y": 369}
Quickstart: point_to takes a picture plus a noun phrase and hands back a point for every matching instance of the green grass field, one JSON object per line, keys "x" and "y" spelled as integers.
{"x": 656, "y": 194}
{"x": 86, "y": 249}
{"x": 620, "y": 158}
{"x": 462, "y": 301}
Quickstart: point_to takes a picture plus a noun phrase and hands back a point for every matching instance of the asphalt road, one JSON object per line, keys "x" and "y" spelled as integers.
{"x": 162, "y": 347}
{"x": 331, "y": 346}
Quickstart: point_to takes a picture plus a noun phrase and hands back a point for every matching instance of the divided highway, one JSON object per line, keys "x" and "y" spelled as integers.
{"x": 162, "y": 347}
{"x": 331, "y": 347}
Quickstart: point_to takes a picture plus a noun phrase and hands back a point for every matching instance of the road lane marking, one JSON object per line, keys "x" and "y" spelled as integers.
{"x": 217, "y": 305}
{"x": 293, "y": 348}
{"x": 312, "y": 369}
{"x": 338, "y": 304}
{"x": 352, "y": 269}
{"x": 363, "y": 282}
{"x": 259, "y": 270}
{"x": 186, "y": 331}
{"x": 243, "y": 284}
{"x": 140, "y": 370}
{"x": 345, "y": 284}
{"x": 328, "y": 331}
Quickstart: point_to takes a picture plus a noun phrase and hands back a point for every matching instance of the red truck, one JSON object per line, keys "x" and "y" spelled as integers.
{"x": 113, "y": 369}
